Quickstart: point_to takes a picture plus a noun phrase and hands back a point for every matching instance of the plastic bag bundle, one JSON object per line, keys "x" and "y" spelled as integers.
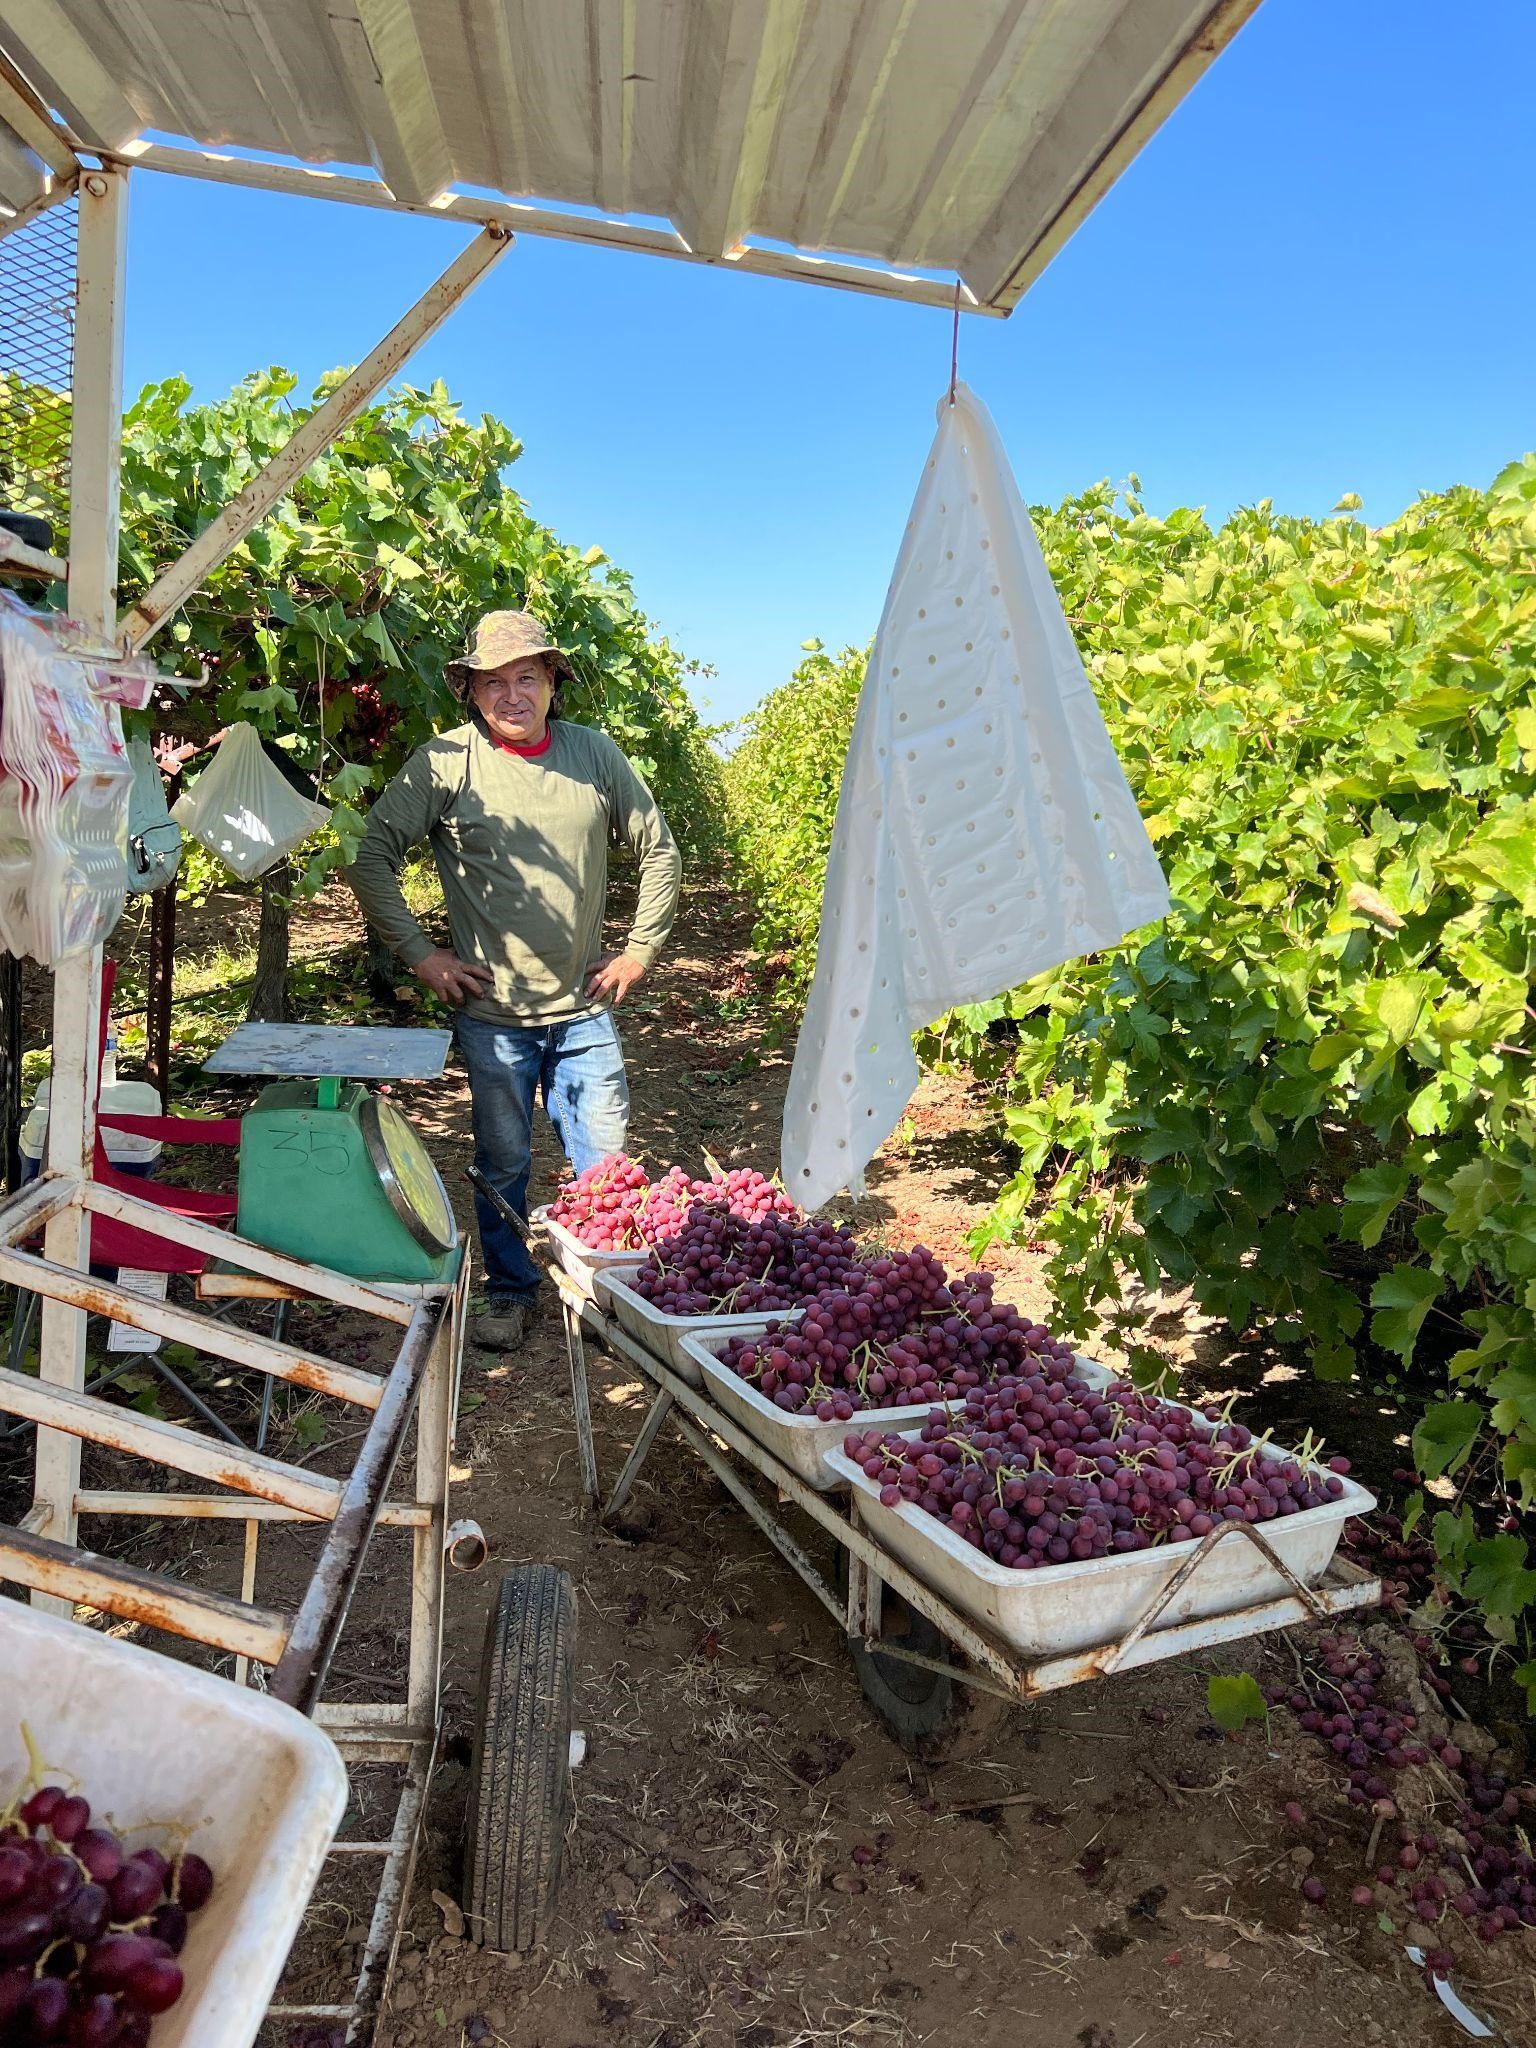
{"x": 985, "y": 830}
{"x": 64, "y": 785}
{"x": 244, "y": 809}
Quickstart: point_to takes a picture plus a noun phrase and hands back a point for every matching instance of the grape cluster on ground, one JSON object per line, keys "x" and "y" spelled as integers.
{"x": 1042, "y": 1468}
{"x": 89, "y": 1931}
{"x": 1474, "y": 1861}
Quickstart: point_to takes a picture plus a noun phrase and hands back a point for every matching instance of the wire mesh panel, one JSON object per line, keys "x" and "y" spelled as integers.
{"x": 37, "y": 348}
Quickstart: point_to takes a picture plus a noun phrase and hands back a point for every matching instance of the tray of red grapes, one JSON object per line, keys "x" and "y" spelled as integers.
{"x": 885, "y": 1342}
{"x": 161, "y": 1830}
{"x": 610, "y": 1218}
{"x": 1055, "y": 1505}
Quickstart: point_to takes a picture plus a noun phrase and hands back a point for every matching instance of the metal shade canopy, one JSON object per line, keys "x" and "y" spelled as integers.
{"x": 859, "y": 143}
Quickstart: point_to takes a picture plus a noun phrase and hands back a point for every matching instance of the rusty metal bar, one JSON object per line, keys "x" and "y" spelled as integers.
{"x": 22, "y": 1214}
{"x": 163, "y": 1443}
{"x": 356, "y": 1717}
{"x": 216, "y": 541}
{"x": 1223, "y": 1531}
{"x": 340, "y": 1289}
{"x": 300, "y": 1676}
{"x": 436, "y": 1415}
{"x": 185, "y": 1326}
{"x": 162, "y": 971}
{"x": 660, "y": 1409}
{"x": 228, "y": 1507}
{"x": 581, "y": 1404}
{"x": 72, "y": 1575}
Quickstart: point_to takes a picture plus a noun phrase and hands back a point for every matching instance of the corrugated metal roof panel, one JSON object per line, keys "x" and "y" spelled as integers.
{"x": 959, "y": 137}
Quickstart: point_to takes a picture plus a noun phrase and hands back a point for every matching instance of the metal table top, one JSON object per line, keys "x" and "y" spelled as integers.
{"x": 354, "y": 1052}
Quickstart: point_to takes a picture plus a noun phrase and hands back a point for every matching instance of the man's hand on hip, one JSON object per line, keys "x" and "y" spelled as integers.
{"x": 453, "y": 979}
{"x": 614, "y": 975}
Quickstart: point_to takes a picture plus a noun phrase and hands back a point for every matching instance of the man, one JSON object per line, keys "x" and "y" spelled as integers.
{"x": 518, "y": 806}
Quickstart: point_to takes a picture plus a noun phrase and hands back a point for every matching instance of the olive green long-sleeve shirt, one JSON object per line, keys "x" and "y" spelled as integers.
{"x": 521, "y": 844}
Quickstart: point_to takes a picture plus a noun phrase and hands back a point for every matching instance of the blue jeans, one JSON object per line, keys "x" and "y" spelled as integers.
{"x": 579, "y": 1069}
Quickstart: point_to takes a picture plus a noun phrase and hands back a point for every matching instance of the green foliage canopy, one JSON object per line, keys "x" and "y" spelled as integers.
{"x": 346, "y": 601}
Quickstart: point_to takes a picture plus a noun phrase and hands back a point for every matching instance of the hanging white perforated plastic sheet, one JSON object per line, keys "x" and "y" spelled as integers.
{"x": 985, "y": 829}
{"x": 244, "y": 809}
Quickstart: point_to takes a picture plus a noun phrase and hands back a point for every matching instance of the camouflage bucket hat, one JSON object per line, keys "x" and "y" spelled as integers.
{"x": 501, "y": 637}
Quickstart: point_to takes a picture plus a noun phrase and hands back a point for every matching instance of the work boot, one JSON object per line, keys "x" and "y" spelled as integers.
{"x": 503, "y": 1327}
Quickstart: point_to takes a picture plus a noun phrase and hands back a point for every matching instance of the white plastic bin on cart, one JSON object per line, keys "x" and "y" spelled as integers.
{"x": 261, "y": 1789}
{"x": 799, "y": 1441}
{"x": 125, "y": 1150}
{"x": 667, "y": 1335}
{"x": 582, "y": 1261}
{"x": 1062, "y": 1608}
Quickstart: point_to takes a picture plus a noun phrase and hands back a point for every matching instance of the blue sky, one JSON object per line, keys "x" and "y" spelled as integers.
{"x": 1317, "y": 278}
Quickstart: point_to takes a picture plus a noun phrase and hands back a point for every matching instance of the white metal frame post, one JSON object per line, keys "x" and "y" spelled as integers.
{"x": 95, "y": 461}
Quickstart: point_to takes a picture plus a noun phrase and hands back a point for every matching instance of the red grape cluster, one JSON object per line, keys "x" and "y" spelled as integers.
{"x": 601, "y": 1206}
{"x": 372, "y": 718}
{"x": 722, "y": 1263}
{"x": 89, "y": 1934}
{"x": 613, "y": 1206}
{"x": 1042, "y": 1468}
{"x": 894, "y": 1331}
{"x": 1478, "y": 1865}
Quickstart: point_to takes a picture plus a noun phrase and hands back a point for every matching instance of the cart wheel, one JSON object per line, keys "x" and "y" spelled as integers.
{"x": 519, "y": 1787}
{"x": 912, "y": 1702}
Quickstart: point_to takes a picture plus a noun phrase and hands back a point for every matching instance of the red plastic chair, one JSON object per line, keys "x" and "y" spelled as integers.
{"x": 126, "y": 1244}
{"x": 115, "y": 1244}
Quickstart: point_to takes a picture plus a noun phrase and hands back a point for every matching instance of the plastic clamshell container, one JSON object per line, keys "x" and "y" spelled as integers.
{"x": 582, "y": 1261}
{"x": 799, "y": 1441}
{"x": 1088, "y": 1602}
{"x": 668, "y": 1336}
{"x": 260, "y": 1789}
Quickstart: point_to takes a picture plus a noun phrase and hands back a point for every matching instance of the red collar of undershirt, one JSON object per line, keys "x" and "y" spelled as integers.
{"x": 528, "y": 753}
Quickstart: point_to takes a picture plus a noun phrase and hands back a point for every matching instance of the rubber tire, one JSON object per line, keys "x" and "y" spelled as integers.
{"x": 520, "y": 1773}
{"x": 913, "y": 1703}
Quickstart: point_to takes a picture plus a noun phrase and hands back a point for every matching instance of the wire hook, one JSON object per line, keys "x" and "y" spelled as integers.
{"x": 954, "y": 346}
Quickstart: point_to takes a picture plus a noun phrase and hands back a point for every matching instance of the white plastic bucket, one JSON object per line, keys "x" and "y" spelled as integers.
{"x": 124, "y": 1149}
{"x": 261, "y": 1789}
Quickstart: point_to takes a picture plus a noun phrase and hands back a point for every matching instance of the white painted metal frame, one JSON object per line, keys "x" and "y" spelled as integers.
{"x": 874, "y": 280}
{"x": 42, "y": 1554}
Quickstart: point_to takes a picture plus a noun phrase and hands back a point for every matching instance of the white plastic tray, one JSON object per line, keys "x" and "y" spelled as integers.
{"x": 581, "y": 1261}
{"x": 1062, "y": 1608}
{"x": 668, "y": 1336}
{"x": 150, "y": 1739}
{"x": 799, "y": 1441}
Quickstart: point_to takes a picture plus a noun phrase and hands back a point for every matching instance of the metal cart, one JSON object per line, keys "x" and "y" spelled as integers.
{"x": 896, "y": 1626}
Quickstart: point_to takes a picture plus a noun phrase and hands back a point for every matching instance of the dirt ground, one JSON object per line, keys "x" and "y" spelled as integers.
{"x": 753, "y": 1861}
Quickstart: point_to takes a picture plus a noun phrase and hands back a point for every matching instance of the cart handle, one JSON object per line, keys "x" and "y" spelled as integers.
{"x": 499, "y": 1203}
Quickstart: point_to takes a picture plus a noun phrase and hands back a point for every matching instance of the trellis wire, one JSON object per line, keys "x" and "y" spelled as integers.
{"x": 37, "y": 350}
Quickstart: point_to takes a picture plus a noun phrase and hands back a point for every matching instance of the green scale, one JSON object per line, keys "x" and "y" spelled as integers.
{"x": 330, "y": 1170}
